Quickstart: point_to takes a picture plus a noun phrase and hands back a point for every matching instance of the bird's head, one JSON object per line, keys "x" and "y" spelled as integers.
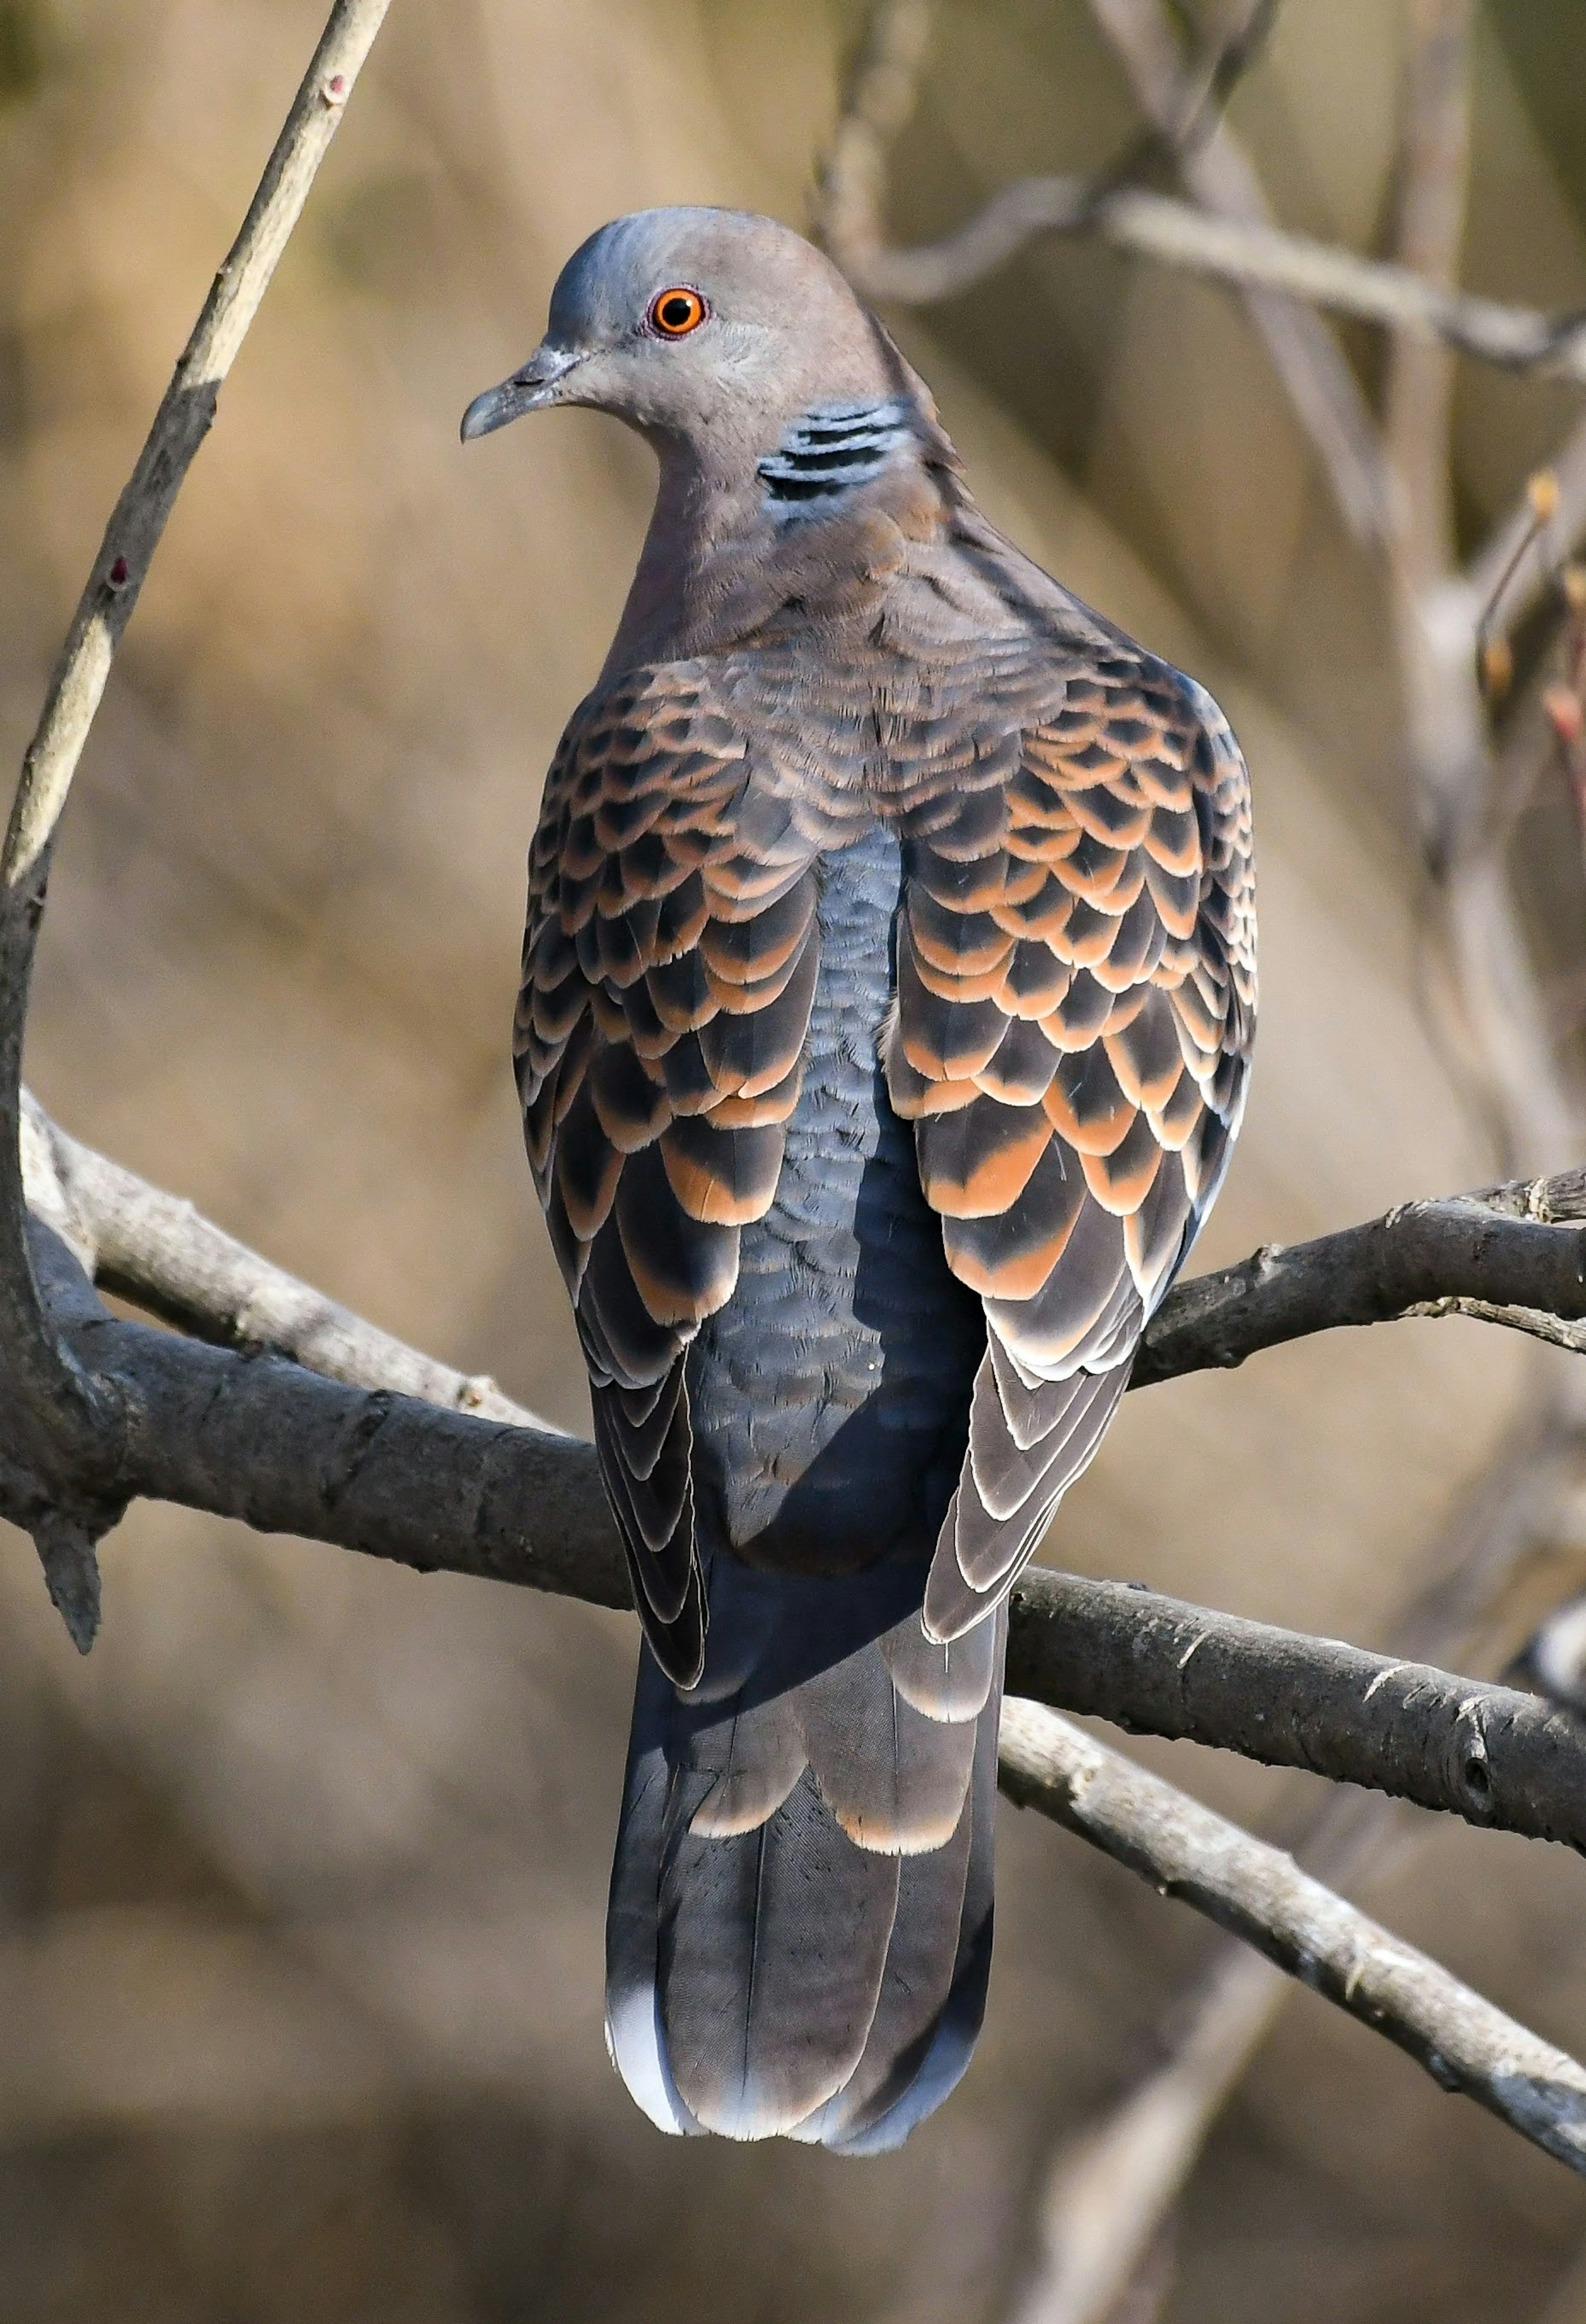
{"x": 709, "y": 328}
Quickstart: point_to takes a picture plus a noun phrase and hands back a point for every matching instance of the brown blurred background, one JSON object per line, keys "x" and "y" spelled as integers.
{"x": 302, "y": 1873}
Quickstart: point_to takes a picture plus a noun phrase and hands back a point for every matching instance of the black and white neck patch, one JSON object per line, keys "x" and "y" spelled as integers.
{"x": 827, "y": 450}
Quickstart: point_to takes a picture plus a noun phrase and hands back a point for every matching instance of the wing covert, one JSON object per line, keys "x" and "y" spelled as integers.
{"x": 669, "y": 965}
{"x": 1076, "y": 993}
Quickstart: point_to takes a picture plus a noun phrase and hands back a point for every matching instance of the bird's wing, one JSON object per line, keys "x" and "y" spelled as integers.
{"x": 1076, "y": 1004}
{"x": 668, "y": 966}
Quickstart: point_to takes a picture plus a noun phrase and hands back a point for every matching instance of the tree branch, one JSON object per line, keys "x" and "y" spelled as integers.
{"x": 68, "y": 1417}
{"x": 1217, "y": 172}
{"x": 359, "y": 1461}
{"x": 1510, "y": 1254}
{"x": 1261, "y": 1895}
{"x": 156, "y": 1250}
{"x": 1249, "y": 256}
{"x": 1155, "y": 1666}
{"x": 1514, "y": 1255}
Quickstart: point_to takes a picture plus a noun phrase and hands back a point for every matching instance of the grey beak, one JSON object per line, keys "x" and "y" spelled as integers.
{"x": 529, "y": 389}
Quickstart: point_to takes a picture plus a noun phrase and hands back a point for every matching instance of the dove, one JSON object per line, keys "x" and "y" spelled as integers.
{"x": 887, "y": 1002}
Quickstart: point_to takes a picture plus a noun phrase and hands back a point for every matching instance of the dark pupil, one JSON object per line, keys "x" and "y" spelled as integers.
{"x": 677, "y": 312}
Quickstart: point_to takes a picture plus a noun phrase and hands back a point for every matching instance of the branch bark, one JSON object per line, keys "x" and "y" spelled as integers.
{"x": 360, "y": 1461}
{"x": 1506, "y": 1255}
{"x": 1155, "y": 1666}
{"x": 1217, "y": 172}
{"x": 1261, "y": 1895}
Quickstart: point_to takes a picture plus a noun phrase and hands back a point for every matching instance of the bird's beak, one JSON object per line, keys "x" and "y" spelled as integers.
{"x": 529, "y": 389}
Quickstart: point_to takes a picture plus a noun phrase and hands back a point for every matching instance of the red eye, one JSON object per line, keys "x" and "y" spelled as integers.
{"x": 676, "y": 312}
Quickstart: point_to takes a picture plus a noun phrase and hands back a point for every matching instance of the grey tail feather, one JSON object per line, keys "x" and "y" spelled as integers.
{"x": 799, "y": 1932}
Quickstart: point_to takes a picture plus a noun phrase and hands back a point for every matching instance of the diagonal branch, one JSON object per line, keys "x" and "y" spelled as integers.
{"x": 71, "y": 1416}
{"x": 156, "y": 1250}
{"x": 1261, "y": 1895}
{"x": 1217, "y": 172}
{"x": 1245, "y": 254}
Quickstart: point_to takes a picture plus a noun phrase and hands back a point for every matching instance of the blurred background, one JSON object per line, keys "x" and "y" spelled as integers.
{"x": 302, "y": 1873}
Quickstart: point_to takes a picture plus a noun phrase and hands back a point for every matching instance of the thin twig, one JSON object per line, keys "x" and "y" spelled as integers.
{"x": 1217, "y": 171}
{"x": 72, "y": 1416}
{"x": 1246, "y": 255}
{"x": 1261, "y": 1895}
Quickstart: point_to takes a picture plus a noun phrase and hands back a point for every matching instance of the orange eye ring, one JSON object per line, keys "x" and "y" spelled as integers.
{"x": 676, "y": 311}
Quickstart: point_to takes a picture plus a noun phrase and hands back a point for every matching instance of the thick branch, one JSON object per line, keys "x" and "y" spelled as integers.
{"x": 253, "y": 1436}
{"x": 1489, "y": 1754}
{"x": 1259, "y": 1894}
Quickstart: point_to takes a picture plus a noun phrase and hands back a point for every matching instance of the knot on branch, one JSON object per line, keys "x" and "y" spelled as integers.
{"x": 66, "y": 1524}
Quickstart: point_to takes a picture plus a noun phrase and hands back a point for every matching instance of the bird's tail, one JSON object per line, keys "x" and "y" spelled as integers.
{"x": 800, "y": 1925}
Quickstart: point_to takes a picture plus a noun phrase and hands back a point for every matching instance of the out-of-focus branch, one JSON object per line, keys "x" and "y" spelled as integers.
{"x": 1219, "y": 173}
{"x": 1245, "y": 254}
{"x": 1106, "y": 2206}
{"x": 1262, "y": 1896}
{"x": 1110, "y": 2195}
{"x": 68, "y": 1414}
{"x": 1434, "y": 153}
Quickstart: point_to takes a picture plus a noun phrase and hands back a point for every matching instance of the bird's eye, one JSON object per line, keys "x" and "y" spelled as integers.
{"x": 676, "y": 312}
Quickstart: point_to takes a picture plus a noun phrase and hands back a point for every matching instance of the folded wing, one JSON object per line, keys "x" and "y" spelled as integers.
{"x": 669, "y": 965}
{"x": 1076, "y": 993}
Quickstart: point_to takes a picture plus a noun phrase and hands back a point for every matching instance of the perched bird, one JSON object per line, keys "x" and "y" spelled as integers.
{"x": 887, "y": 1003}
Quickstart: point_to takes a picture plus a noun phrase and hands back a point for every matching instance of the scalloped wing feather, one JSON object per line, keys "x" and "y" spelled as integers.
{"x": 1077, "y": 997}
{"x": 668, "y": 966}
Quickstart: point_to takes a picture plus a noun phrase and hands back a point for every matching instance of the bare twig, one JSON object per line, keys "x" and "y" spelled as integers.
{"x": 70, "y": 1416}
{"x": 1261, "y": 1895}
{"x": 1509, "y": 540}
{"x": 1245, "y": 254}
{"x": 1219, "y": 173}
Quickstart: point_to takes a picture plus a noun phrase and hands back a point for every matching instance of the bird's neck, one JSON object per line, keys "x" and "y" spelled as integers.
{"x": 742, "y": 531}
